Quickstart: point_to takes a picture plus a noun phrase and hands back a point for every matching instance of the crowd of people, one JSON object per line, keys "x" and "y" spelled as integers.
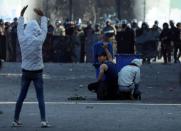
{"x": 74, "y": 42}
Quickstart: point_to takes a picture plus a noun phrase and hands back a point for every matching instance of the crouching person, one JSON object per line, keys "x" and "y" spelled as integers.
{"x": 129, "y": 79}
{"x": 106, "y": 86}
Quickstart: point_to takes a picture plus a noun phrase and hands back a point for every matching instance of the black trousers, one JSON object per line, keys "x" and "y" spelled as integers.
{"x": 104, "y": 90}
{"x": 166, "y": 51}
{"x": 0, "y": 64}
{"x": 177, "y": 47}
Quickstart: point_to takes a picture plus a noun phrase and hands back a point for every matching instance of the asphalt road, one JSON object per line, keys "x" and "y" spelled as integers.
{"x": 159, "y": 110}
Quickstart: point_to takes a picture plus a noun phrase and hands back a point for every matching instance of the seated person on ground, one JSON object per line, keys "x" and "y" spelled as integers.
{"x": 106, "y": 86}
{"x": 129, "y": 79}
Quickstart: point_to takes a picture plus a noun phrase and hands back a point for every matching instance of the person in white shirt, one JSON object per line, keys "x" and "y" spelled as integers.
{"x": 31, "y": 39}
{"x": 129, "y": 79}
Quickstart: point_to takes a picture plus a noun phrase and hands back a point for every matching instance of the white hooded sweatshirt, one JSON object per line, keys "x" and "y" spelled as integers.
{"x": 31, "y": 40}
{"x": 130, "y": 74}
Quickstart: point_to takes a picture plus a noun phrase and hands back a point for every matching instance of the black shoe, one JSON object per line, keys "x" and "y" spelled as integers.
{"x": 91, "y": 89}
{"x": 137, "y": 95}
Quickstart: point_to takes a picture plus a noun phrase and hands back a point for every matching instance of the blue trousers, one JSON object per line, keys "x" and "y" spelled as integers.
{"x": 27, "y": 77}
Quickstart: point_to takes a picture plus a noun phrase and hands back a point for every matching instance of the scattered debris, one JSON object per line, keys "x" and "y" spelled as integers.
{"x": 89, "y": 107}
{"x": 172, "y": 89}
{"x": 75, "y": 89}
{"x": 81, "y": 86}
{"x": 70, "y": 69}
{"x": 149, "y": 87}
{"x": 76, "y": 98}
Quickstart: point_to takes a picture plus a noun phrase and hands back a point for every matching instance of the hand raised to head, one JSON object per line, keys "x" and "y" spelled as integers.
{"x": 23, "y": 10}
{"x": 38, "y": 12}
{"x": 105, "y": 45}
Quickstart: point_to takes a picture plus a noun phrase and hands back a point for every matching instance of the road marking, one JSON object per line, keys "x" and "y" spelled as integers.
{"x": 93, "y": 103}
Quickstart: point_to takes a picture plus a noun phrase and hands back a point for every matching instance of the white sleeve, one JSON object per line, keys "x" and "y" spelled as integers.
{"x": 44, "y": 27}
{"x": 20, "y": 29}
{"x": 137, "y": 78}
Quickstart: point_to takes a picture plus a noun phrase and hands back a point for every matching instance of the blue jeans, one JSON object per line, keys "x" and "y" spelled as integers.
{"x": 27, "y": 77}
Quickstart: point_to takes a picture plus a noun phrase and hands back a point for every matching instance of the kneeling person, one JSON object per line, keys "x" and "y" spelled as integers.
{"x": 106, "y": 86}
{"x": 129, "y": 79}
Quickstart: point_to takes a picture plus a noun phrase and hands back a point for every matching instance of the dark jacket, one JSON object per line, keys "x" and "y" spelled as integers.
{"x": 125, "y": 41}
{"x": 165, "y": 36}
{"x": 173, "y": 32}
{"x": 178, "y": 35}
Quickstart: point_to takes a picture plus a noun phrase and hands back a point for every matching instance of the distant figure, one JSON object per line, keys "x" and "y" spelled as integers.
{"x": 109, "y": 30}
{"x": 125, "y": 39}
{"x": 177, "y": 46}
{"x": 15, "y": 49}
{"x": 31, "y": 40}
{"x": 90, "y": 40}
{"x": 143, "y": 42}
{"x": 2, "y": 41}
{"x": 165, "y": 38}
{"x": 173, "y": 38}
{"x": 156, "y": 30}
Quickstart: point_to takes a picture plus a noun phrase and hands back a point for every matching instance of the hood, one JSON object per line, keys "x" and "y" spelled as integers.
{"x": 137, "y": 62}
{"x": 32, "y": 28}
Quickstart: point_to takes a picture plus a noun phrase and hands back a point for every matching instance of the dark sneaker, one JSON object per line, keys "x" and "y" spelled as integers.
{"x": 137, "y": 95}
{"x": 17, "y": 124}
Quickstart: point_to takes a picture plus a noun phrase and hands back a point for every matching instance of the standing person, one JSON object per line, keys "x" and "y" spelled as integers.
{"x": 8, "y": 41}
{"x": 151, "y": 44}
{"x": 156, "y": 33}
{"x": 48, "y": 45}
{"x": 142, "y": 42}
{"x": 125, "y": 39}
{"x": 109, "y": 29}
{"x": 173, "y": 31}
{"x": 81, "y": 37}
{"x": 2, "y": 41}
{"x": 110, "y": 32}
{"x": 90, "y": 40}
{"x": 71, "y": 43}
{"x": 31, "y": 40}
{"x": 177, "y": 45}
{"x": 166, "y": 43}
{"x": 16, "y": 55}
